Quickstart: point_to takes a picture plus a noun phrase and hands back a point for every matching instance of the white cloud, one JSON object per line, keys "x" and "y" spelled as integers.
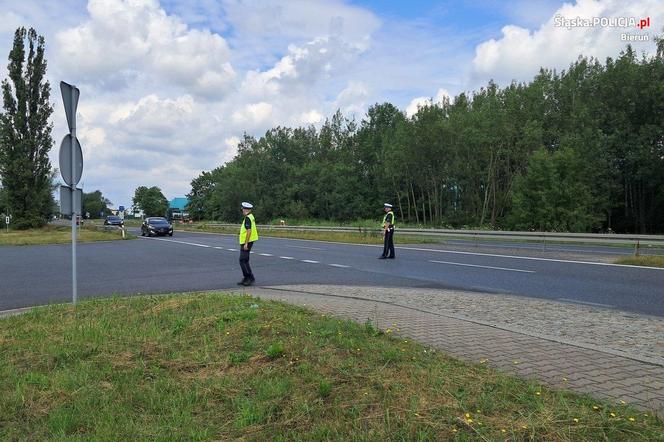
{"x": 519, "y": 53}
{"x": 253, "y": 115}
{"x": 123, "y": 38}
{"x": 417, "y": 103}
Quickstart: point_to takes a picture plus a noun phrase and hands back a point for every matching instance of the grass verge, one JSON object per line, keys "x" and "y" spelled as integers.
{"x": 344, "y": 237}
{"x": 213, "y": 366}
{"x": 56, "y": 235}
{"x": 643, "y": 260}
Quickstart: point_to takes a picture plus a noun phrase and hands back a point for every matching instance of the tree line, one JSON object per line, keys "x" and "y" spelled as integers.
{"x": 579, "y": 150}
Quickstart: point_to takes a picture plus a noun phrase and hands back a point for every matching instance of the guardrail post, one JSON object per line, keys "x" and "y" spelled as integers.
{"x": 636, "y": 248}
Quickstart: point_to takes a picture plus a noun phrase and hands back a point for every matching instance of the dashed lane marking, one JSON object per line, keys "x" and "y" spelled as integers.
{"x": 483, "y": 267}
{"x": 341, "y": 266}
{"x": 310, "y": 261}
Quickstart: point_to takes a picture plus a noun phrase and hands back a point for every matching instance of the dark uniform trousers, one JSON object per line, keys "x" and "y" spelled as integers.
{"x": 244, "y": 261}
{"x": 388, "y": 243}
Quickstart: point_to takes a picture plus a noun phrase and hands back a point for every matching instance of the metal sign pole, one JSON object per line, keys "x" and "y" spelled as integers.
{"x": 73, "y": 189}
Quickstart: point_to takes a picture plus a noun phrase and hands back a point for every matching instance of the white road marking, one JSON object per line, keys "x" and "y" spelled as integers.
{"x": 233, "y": 250}
{"x": 484, "y": 267}
{"x": 303, "y": 247}
{"x": 286, "y": 257}
{"x": 219, "y": 248}
{"x": 180, "y": 242}
{"x": 528, "y": 258}
{"x": 341, "y": 266}
{"x": 265, "y": 254}
{"x": 309, "y": 261}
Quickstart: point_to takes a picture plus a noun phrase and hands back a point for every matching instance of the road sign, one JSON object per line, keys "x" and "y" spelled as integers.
{"x": 66, "y": 161}
{"x": 69, "y": 205}
{"x": 70, "y": 96}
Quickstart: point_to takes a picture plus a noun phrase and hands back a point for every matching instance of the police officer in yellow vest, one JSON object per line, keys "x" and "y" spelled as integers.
{"x": 248, "y": 234}
{"x": 388, "y": 233}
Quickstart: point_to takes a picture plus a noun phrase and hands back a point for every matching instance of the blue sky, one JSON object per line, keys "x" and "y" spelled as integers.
{"x": 169, "y": 86}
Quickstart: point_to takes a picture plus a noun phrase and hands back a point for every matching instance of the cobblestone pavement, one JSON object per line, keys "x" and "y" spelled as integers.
{"x": 605, "y": 353}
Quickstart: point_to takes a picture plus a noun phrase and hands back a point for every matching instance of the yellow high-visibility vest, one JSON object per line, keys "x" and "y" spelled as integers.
{"x": 394, "y": 218}
{"x": 243, "y": 230}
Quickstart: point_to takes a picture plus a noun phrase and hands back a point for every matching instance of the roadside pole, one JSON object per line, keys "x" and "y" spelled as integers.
{"x": 71, "y": 169}
{"x": 74, "y": 217}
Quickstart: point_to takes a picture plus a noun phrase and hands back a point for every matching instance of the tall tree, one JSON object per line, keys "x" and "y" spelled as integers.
{"x": 95, "y": 204}
{"x": 151, "y": 201}
{"x": 25, "y": 132}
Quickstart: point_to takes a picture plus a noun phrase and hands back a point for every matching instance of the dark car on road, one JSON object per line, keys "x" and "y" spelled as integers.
{"x": 113, "y": 220}
{"x": 156, "y": 226}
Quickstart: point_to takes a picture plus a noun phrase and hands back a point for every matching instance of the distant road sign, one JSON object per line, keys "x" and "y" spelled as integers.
{"x": 70, "y": 96}
{"x": 65, "y": 161}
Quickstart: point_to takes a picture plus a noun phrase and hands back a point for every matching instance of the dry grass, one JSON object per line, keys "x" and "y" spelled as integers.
{"x": 643, "y": 260}
{"x": 56, "y": 235}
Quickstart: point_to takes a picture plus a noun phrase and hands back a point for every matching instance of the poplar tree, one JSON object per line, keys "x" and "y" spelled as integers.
{"x": 25, "y": 133}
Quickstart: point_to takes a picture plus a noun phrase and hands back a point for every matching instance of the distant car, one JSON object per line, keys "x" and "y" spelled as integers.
{"x": 113, "y": 220}
{"x": 156, "y": 226}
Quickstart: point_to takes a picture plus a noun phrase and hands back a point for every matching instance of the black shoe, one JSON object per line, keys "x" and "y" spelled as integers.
{"x": 382, "y": 257}
{"x": 243, "y": 282}
{"x": 248, "y": 282}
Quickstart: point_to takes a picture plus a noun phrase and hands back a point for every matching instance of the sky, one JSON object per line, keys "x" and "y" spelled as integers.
{"x": 168, "y": 87}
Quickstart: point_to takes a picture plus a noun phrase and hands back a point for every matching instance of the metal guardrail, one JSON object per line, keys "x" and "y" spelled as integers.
{"x": 552, "y": 237}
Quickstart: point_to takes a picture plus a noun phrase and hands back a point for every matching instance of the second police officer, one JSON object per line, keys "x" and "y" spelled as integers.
{"x": 388, "y": 233}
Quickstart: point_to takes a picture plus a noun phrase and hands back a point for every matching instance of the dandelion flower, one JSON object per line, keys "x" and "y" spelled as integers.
{"x": 576, "y": 420}
{"x": 467, "y": 415}
{"x": 631, "y": 419}
{"x": 538, "y": 393}
{"x": 623, "y": 402}
{"x": 612, "y": 414}
{"x": 502, "y": 430}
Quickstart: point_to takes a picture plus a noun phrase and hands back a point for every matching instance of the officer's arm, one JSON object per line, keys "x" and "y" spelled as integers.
{"x": 388, "y": 224}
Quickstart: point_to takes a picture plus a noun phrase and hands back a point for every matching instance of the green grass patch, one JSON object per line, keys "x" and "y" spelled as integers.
{"x": 344, "y": 237}
{"x": 57, "y": 235}
{"x": 643, "y": 260}
{"x": 219, "y": 367}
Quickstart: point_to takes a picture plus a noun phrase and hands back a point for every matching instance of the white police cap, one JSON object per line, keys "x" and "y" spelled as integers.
{"x": 387, "y": 205}
{"x": 246, "y": 205}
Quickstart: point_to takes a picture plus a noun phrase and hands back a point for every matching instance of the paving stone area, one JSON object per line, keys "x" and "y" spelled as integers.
{"x": 597, "y": 372}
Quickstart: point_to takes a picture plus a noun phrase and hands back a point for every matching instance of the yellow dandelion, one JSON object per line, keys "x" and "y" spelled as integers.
{"x": 631, "y": 419}
{"x": 454, "y": 430}
{"x": 576, "y": 420}
{"x": 405, "y": 341}
{"x": 595, "y": 407}
{"x": 623, "y": 402}
{"x": 538, "y": 393}
{"x": 524, "y": 427}
{"x": 482, "y": 361}
{"x": 467, "y": 415}
{"x": 612, "y": 414}
{"x": 515, "y": 362}
{"x": 478, "y": 411}
{"x": 564, "y": 379}
{"x": 502, "y": 430}
{"x": 470, "y": 421}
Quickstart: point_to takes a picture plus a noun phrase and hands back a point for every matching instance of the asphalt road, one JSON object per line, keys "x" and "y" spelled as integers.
{"x": 34, "y": 275}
